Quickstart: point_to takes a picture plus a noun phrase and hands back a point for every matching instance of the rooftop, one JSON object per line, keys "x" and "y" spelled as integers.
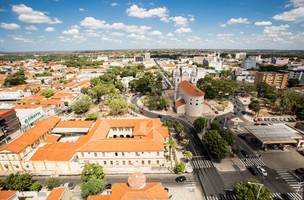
{"x": 190, "y": 89}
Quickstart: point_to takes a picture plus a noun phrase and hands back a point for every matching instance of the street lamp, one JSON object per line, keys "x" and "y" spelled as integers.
{"x": 260, "y": 187}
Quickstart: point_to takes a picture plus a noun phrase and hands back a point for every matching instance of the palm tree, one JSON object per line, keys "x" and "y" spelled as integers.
{"x": 172, "y": 146}
{"x": 188, "y": 155}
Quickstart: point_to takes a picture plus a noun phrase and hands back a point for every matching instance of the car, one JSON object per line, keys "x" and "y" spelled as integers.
{"x": 300, "y": 171}
{"x": 167, "y": 189}
{"x": 253, "y": 170}
{"x": 180, "y": 179}
{"x": 108, "y": 186}
{"x": 242, "y": 136}
{"x": 244, "y": 153}
{"x": 261, "y": 170}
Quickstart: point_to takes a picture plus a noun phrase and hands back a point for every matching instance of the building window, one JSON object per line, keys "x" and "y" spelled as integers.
{"x": 116, "y": 154}
{"x": 137, "y": 154}
{"x": 17, "y": 166}
{"x": 111, "y": 162}
{"x": 95, "y": 154}
{"x": 157, "y": 153}
{"x": 130, "y": 162}
{"x": 196, "y": 104}
{"x": 123, "y": 154}
{"x": 157, "y": 162}
{"x": 122, "y": 136}
{"x": 103, "y": 154}
{"x": 142, "y": 162}
{"x": 124, "y": 162}
{"x": 114, "y": 136}
{"x": 104, "y": 162}
{"x": 190, "y": 103}
{"x": 149, "y": 162}
{"x": 128, "y": 136}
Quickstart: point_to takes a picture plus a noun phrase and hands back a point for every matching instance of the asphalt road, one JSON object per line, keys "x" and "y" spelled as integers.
{"x": 208, "y": 178}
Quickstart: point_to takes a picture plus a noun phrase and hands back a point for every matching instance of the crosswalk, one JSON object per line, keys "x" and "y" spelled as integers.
{"x": 291, "y": 195}
{"x": 199, "y": 162}
{"x": 248, "y": 162}
{"x": 293, "y": 183}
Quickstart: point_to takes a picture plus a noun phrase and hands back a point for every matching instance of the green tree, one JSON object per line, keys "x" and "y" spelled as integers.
{"x": 252, "y": 190}
{"x": 216, "y": 145}
{"x": 215, "y": 125}
{"x": 199, "y": 124}
{"x": 180, "y": 167}
{"x": 227, "y": 136}
{"x": 185, "y": 142}
{"x": 188, "y": 155}
{"x": 92, "y": 187}
{"x": 171, "y": 143}
{"x": 82, "y": 105}
{"x": 117, "y": 105}
{"x": 47, "y": 92}
{"x": 20, "y": 182}
{"x": 154, "y": 102}
{"x": 52, "y": 183}
{"x": 293, "y": 82}
{"x": 102, "y": 89}
{"x": 36, "y": 186}
{"x": 255, "y": 106}
{"x": 18, "y": 78}
{"x": 92, "y": 171}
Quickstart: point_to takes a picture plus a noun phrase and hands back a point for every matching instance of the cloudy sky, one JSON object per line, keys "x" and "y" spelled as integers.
{"x": 104, "y": 24}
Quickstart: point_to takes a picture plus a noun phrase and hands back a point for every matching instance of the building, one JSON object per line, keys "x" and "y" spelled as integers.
{"x": 138, "y": 59}
{"x": 249, "y": 63}
{"x": 297, "y": 73}
{"x": 9, "y": 122}
{"x": 10, "y": 95}
{"x": 189, "y": 99}
{"x": 278, "y": 80}
{"x": 244, "y": 75}
{"x": 240, "y": 55}
{"x": 191, "y": 74}
{"x": 136, "y": 188}
{"x": 8, "y": 195}
{"x": 28, "y": 114}
{"x": 135, "y": 143}
{"x": 147, "y": 56}
{"x": 280, "y": 61}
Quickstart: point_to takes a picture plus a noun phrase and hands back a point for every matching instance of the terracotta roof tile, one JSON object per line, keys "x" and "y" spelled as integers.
{"x": 180, "y": 102}
{"x": 7, "y": 194}
{"x": 190, "y": 89}
{"x": 75, "y": 124}
{"x": 56, "y": 194}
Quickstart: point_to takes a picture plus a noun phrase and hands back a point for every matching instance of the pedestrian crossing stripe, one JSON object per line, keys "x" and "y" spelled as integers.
{"x": 222, "y": 197}
{"x": 252, "y": 161}
{"x": 289, "y": 179}
{"x": 292, "y": 195}
{"x": 201, "y": 163}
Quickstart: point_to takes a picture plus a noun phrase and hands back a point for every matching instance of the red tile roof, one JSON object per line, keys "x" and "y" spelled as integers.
{"x": 180, "y": 102}
{"x": 190, "y": 89}
{"x": 56, "y": 194}
{"x": 7, "y": 194}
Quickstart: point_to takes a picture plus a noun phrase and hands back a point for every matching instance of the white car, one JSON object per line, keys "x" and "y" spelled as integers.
{"x": 262, "y": 171}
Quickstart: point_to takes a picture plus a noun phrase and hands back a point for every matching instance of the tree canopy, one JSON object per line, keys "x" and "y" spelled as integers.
{"x": 92, "y": 171}
{"x": 82, "y": 105}
{"x": 199, "y": 124}
{"x": 252, "y": 190}
{"x": 216, "y": 145}
{"x": 47, "y": 92}
{"x": 17, "y": 78}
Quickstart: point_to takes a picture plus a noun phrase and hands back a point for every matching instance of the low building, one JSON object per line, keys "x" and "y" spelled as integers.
{"x": 136, "y": 188}
{"x": 10, "y": 95}
{"x": 297, "y": 73}
{"x": 112, "y": 143}
{"x": 249, "y": 63}
{"x": 240, "y": 55}
{"x": 189, "y": 99}
{"x": 9, "y": 122}
{"x": 278, "y": 80}
{"x": 28, "y": 114}
{"x": 244, "y": 75}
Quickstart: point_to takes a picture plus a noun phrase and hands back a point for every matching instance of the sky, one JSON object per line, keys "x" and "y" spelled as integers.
{"x": 51, "y": 25}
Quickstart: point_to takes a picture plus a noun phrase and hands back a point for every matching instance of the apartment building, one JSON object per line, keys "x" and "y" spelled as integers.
{"x": 278, "y": 80}
{"x": 113, "y": 143}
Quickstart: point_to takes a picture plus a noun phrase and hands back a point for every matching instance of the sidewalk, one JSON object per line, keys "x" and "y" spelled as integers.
{"x": 230, "y": 165}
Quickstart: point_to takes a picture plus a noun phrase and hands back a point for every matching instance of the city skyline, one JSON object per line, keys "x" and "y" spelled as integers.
{"x": 102, "y": 25}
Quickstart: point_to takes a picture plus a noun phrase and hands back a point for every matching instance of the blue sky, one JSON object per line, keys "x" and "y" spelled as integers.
{"x": 104, "y": 24}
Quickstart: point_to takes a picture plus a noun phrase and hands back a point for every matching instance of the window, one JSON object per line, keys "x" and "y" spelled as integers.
{"x": 114, "y": 136}
{"x": 130, "y": 162}
{"x": 149, "y": 162}
{"x": 111, "y": 162}
{"x": 137, "y": 153}
{"x": 17, "y": 166}
{"x": 157, "y": 162}
{"x": 157, "y": 153}
{"x": 122, "y": 136}
{"x": 190, "y": 103}
{"x": 122, "y": 153}
{"x": 95, "y": 154}
{"x": 142, "y": 162}
{"x": 104, "y": 162}
{"x": 196, "y": 104}
{"x": 124, "y": 162}
{"x": 116, "y": 154}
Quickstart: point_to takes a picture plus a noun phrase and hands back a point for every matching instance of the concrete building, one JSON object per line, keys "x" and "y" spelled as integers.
{"x": 278, "y": 80}
{"x": 11, "y": 95}
{"x": 240, "y": 55}
{"x": 297, "y": 73}
{"x": 136, "y": 188}
{"x": 249, "y": 63}
{"x": 189, "y": 99}
{"x": 185, "y": 73}
{"x": 280, "y": 61}
{"x": 9, "y": 122}
{"x": 113, "y": 143}
{"x": 244, "y": 75}
{"x": 28, "y": 114}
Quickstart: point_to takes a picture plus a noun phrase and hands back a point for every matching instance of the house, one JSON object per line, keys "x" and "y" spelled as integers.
{"x": 189, "y": 99}
{"x": 136, "y": 188}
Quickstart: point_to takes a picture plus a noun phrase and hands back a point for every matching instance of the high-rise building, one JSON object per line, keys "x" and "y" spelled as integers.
{"x": 278, "y": 80}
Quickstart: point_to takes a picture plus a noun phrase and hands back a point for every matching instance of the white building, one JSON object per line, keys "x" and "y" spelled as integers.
{"x": 11, "y": 95}
{"x": 28, "y": 114}
{"x": 189, "y": 99}
{"x": 240, "y": 55}
{"x": 297, "y": 73}
{"x": 185, "y": 73}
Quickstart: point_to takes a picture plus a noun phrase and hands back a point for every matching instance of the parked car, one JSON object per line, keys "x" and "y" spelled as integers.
{"x": 300, "y": 171}
{"x": 261, "y": 170}
{"x": 253, "y": 170}
{"x": 244, "y": 153}
{"x": 180, "y": 179}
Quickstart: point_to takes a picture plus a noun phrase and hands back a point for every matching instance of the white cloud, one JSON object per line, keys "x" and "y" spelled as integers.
{"x": 276, "y": 33}
{"x": 114, "y": 4}
{"x": 73, "y": 30}
{"x": 297, "y": 3}
{"x": 239, "y": 20}
{"x": 28, "y": 15}
{"x": 221, "y": 35}
{"x": 92, "y": 23}
{"x": 81, "y": 9}
{"x": 183, "y": 30}
{"x": 170, "y": 34}
{"x": 191, "y": 18}
{"x": 9, "y": 26}
{"x": 291, "y": 15}
{"x": 119, "y": 34}
{"x": 31, "y": 28}
{"x": 49, "y": 29}
{"x": 223, "y": 25}
{"x": 160, "y": 12}
{"x": 179, "y": 20}
{"x": 263, "y": 23}
{"x": 155, "y": 33}
{"x": 19, "y": 38}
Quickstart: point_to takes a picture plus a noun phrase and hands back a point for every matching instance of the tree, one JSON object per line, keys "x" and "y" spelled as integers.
{"x": 92, "y": 187}
{"x": 227, "y": 136}
{"x": 102, "y": 89}
{"x": 36, "y": 186}
{"x": 82, "y": 105}
{"x": 47, "y": 92}
{"x": 252, "y": 190}
{"x": 91, "y": 116}
{"x": 215, "y": 126}
{"x": 52, "y": 183}
{"x": 185, "y": 142}
{"x": 117, "y": 105}
{"x": 20, "y": 182}
{"x": 226, "y": 73}
{"x": 17, "y": 78}
{"x": 293, "y": 82}
{"x": 188, "y": 155}
{"x": 180, "y": 167}
{"x": 92, "y": 171}
{"x": 171, "y": 143}
{"x": 216, "y": 145}
{"x": 255, "y": 106}
{"x": 199, "y": 124}
{"x": 155, "y": 102}
{"x": 266, "y": 91}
